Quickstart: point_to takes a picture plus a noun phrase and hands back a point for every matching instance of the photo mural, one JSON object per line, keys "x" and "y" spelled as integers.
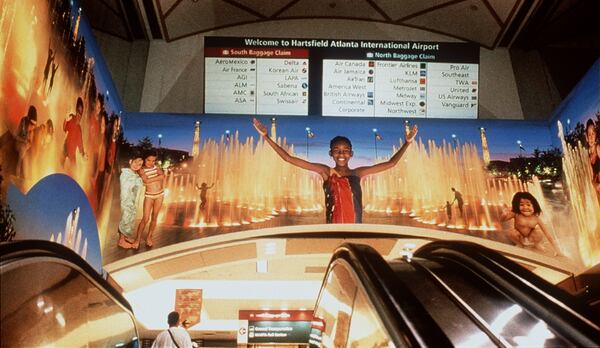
{"x": 60, "y": 123}
{"x": 576, "y": 128}
{"x": 184, "y": 177}
{"x": 221, "y": 174}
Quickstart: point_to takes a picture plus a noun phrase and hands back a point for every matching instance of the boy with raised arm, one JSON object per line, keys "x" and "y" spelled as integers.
{"x": 343, "y": 193}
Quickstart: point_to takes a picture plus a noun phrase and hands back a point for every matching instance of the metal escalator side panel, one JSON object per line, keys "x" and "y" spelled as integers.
{"x": 461, "y": 303}
{"x": 564, "y": 314}
{"x": 21, "y": 249}
{"x": 404, "y": 318}
{"x": 47, "y": 300}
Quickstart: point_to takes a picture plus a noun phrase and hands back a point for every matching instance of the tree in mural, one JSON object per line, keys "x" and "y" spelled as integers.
{"x": 548, "y": 163}
{"x": 144, "y": 144}
{"x": 7, "y": 219}
{"x": 577, "y": 134}
{"x": 7, "y": 223}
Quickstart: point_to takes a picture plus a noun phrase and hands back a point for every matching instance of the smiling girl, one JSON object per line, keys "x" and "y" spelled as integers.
{"x": 594, "y": 154}
{"x": 131, "y": 184}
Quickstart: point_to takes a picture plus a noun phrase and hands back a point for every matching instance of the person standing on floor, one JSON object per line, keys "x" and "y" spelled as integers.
{"x": 175, "y": 336}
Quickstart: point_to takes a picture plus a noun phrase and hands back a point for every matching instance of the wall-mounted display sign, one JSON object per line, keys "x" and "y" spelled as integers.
{"x": 274, "y": 326}
{"x": 315, "y": 337}
{"x": 341, "y": 78}
{"x": 188, "y": 302}
{"x": 278, "y": 331}
{"x": 256, "y": 81}
{"x": 396, "y": 88}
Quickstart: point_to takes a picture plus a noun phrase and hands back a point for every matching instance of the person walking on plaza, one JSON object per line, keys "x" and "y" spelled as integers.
{"x": 459, "y": 201}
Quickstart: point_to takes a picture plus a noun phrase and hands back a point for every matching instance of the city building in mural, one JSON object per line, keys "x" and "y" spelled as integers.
{"x": 72, "y": 237}
{"x": 484, "y": 146}
{"x": 196, "y": 145}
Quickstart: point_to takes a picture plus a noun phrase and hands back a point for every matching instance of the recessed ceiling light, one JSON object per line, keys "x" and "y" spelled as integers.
{"x": 261, "y": 266}
{"x": 270, "y": 248}
{"x": 61, "y": 319}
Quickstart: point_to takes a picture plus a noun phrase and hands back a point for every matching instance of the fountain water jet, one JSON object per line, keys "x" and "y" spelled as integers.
{"x": 252, "y": 184}
{"x": 583, "y": 200}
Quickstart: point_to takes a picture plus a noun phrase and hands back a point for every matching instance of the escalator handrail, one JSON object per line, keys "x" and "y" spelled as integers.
{"x": 23, "y": 249}
{"x": 563, "y": 312}
{"x": 406, "y": 320}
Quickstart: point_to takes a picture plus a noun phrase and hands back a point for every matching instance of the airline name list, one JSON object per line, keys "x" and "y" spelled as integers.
{"x": 247, "y": 84}
{"x": 399, "y": 89}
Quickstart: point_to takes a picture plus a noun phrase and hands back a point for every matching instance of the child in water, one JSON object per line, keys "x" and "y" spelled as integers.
{"x": 526, "y": 212}
{"x": 343, "y": 194}
{"x": 203, "y": 188}
{"x": 448, "y": 207}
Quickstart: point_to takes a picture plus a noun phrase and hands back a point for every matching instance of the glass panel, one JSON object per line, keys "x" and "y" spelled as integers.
{"x": 43, "y": 304}
{"x": 108, "y": 324}
{"x": 366, "y": 330}
{"x": 505, "y": 317}
{"x": 335, "y": 306}
{"x": 439, "y": 306}
{"x": 50, "y": 304}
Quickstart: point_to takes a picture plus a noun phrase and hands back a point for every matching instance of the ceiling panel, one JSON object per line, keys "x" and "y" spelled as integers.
{"x": 114, "y": 4}
{"x": 267, "y": 8}
{"x": 565, "y": 6}
{"x": 285, "y": 268}
{"x": 469, "y": 20}
{"x": 479, "y": 21}
{"x": 302, "y": 246}
{"x": 396, "y": 9}
{"x": 194, "y": 17}
{"x": 166, "y": 5}
{"x": 503, "y": 8}
{"x": 106, "y": 17}
{"x": 201, "y": 259}
{"x": 175, "y": 265}
{"x": 315, "y": 269}
{"x": 332, "y": 9}
{"x": 219, "y": 309}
